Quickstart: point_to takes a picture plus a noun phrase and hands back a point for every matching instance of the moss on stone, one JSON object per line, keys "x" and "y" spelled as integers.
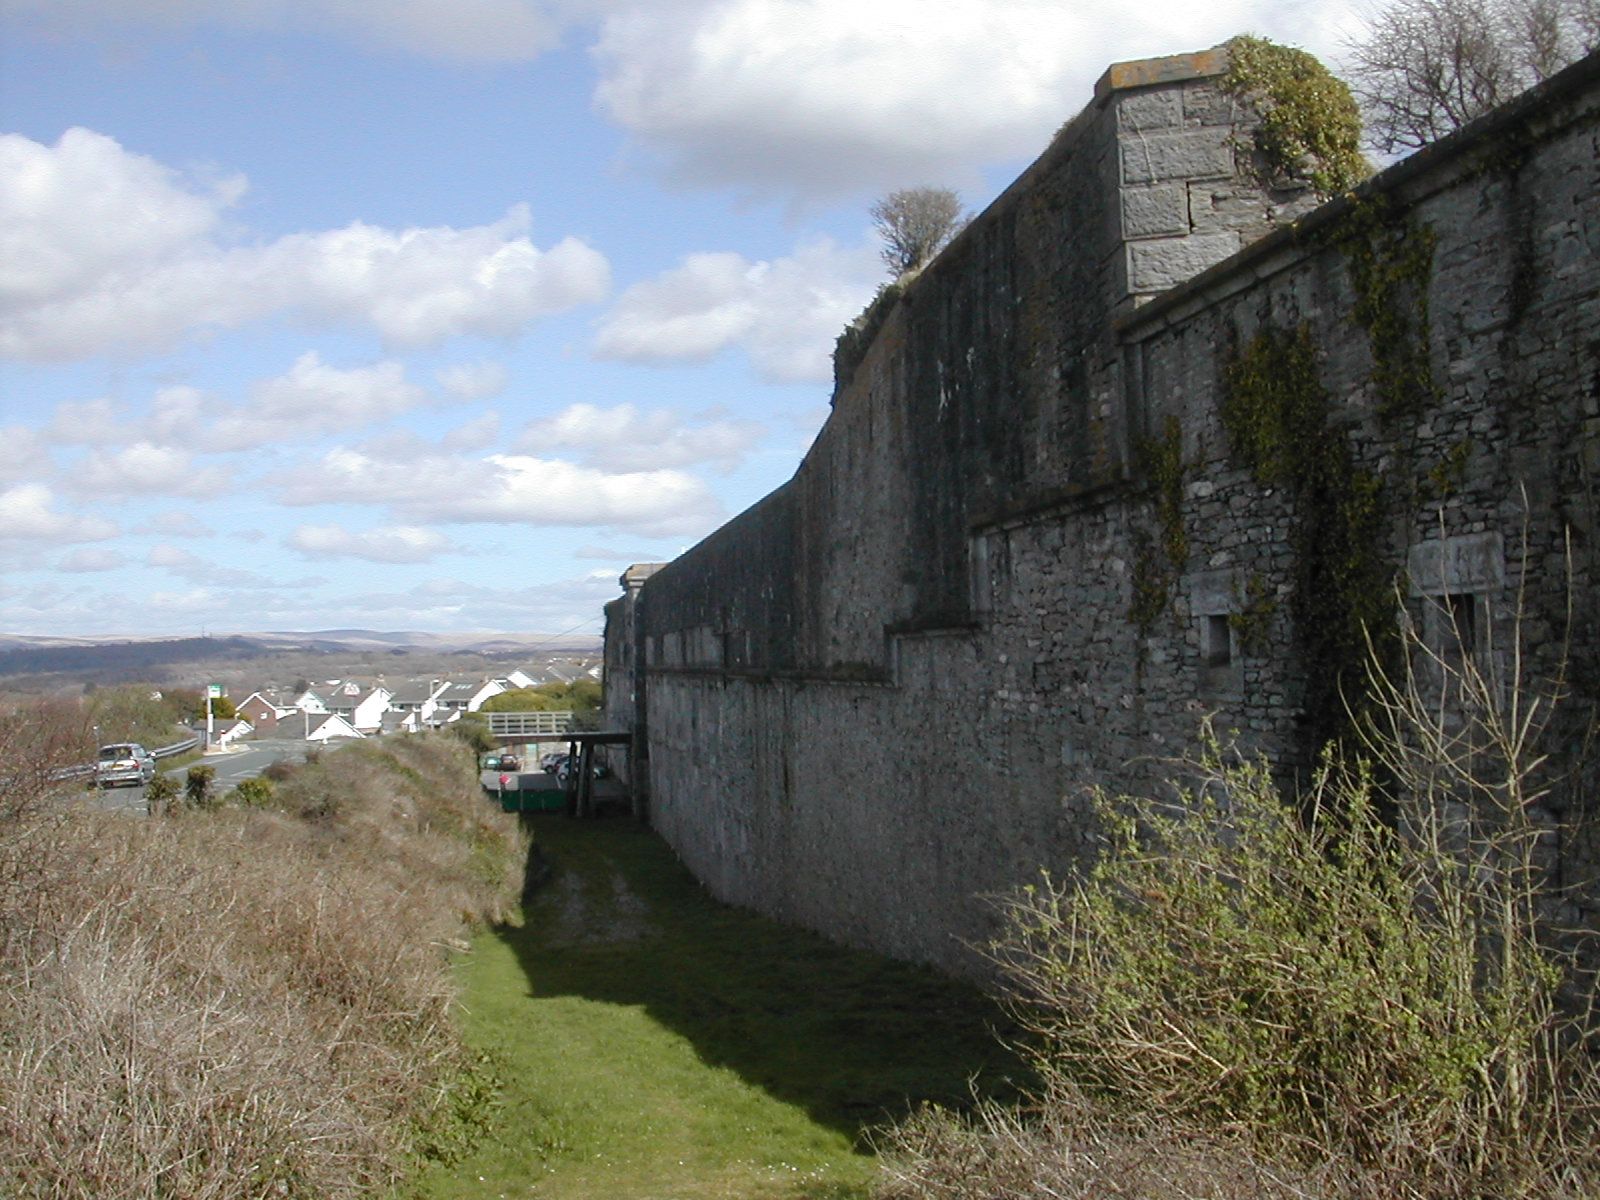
{"x": 1310, "y": 123}
{"x": 1275, "y": 411}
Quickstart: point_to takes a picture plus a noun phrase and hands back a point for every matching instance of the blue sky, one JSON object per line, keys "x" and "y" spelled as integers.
{"x": 436, "y": 314}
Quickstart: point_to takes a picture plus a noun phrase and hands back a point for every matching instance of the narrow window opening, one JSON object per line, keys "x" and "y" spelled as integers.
{"x": 1219, "y": 641}
{"x": 1463, "y": 610}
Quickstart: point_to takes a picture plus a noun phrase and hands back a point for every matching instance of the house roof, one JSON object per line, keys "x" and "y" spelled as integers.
{"x": 318, "y": 720}
{"x": 344, "y": 702}
{"x": 414, "y": 691}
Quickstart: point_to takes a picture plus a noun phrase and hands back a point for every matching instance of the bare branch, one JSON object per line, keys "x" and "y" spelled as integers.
{"x": 915, "y": 224}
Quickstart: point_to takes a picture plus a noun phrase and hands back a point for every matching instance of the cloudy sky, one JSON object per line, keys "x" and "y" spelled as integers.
{"x": 436, "y": 314}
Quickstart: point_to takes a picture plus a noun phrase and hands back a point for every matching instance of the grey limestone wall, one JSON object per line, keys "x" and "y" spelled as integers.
{"x": 1026, "y": 555}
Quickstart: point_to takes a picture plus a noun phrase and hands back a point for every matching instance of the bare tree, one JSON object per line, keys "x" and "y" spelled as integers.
{"x": 915, "y": 224}
{"x": 1427, "y": 67}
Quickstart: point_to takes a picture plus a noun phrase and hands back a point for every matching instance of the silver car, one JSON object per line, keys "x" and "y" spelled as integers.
{"x": 124, "y": 762}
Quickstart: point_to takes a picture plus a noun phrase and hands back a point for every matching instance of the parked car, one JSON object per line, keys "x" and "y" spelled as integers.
{"x": 564, "y": 769}
{"x": 489, "y": 762}
{"x": 509, "y": 762}
{"x": 124, "y": 762}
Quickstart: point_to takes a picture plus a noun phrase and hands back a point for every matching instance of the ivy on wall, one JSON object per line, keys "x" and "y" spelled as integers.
{"x": 1158, "y": 561}
{"x": 1310, "y": 128}
{"x": 1275, "y": 411}
{"x": 1390, "y": 261}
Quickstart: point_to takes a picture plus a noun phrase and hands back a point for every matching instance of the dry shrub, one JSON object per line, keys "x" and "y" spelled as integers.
{"x": 1361, "y": 983}
{"x": 241, "y": 1003}
{"x": 1064, "y": 1146}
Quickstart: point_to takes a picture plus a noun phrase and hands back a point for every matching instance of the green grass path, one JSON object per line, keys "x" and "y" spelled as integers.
{"x": 655, "y": 1044}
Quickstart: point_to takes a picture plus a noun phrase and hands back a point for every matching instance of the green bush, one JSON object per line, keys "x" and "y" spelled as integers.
{"x": 253, "y": 793}
{"x": 159, "y": 794}
{"x": 197, "y": 787}
{"x": 1377, "y": 993}
{"x": 474, "y": 731}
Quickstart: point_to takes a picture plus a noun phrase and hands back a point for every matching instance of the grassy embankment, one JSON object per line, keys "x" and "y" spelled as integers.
{"x": 240, "y": 1002}
{"x": 655, "y": 1043}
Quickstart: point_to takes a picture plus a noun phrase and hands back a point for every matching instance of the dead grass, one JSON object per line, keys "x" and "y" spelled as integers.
{"x": 247, "y": 1002}
{"x": 1064, "y": 1146}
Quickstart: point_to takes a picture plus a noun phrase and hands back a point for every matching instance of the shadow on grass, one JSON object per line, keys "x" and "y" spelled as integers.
{"x": 853, "y": 1038}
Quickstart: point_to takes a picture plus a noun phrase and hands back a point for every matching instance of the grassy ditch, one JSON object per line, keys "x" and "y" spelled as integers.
{"x": 654, "y": 1043}
{"x": 234, "y": 1002}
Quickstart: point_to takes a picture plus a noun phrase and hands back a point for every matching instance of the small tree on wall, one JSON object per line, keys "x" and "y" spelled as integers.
{"x": 915, "y": 224}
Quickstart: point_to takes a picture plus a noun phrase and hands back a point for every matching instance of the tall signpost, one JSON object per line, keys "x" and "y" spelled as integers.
{"x": 213, "y": 692}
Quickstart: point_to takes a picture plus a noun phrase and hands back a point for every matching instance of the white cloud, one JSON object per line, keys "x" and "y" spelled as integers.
{"x": 611, "y": 554}
{"x": 91, "y": 558}
{"x": 509, "y": 490}
{"x": 623, "y": 438}
{"x": 474, "y": 380}
{"x": 310, "y": 399}
{"x": 830, "y": 97}
{"x": 785, "y": 313}
{"x": 84, "y": 210}
{"x": 144, "y": 268}
{"x": 27, "y": 514}
{"x": 392, "y": 544}
{"x": 187, "y": 565}
{"x": 461, "y": 30}
{"x": 90, "y": 423}
{"x": 146, "y": 469}
{"x": 178, "y": 522}
{"x": 477, "y": 434}
{"x": 22, "y": 454}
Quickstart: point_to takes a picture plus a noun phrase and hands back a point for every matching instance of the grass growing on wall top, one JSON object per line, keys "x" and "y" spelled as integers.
{"x": 655, "y": 1043}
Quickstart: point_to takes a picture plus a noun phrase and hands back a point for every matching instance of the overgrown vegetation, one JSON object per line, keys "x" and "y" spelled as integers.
{"x": 1391, "y": 264}
{"x": 136, "y": 713}
{"x": 1276, "y": 414}
{"x": 1310, "y": 130}
{"x": 246, "y": 1002}
{"x": 580, "y": 696}
{"x": 851, "y": 346}
{"x": 1252, "y": 998}
{"x": 1159, "y": 562}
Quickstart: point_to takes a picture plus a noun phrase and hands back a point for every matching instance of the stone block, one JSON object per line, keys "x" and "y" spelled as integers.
{"x": 1155, "y": 211}
{"x": 1141, "y": 112}
{"x": 1191, "y": 154}
{"x": 1469, "y": 562}
{"x": 1155, "y": 266}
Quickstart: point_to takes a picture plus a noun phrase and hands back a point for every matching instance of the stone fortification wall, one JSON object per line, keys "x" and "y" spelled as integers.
{"x": 1037, "y": 540}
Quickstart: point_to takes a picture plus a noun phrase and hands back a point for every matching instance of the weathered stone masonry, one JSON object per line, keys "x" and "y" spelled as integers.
{"x": 1027, "y": 552}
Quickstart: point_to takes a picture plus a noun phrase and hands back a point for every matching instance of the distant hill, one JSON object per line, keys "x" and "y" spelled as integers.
{"x": 111, "y": 659}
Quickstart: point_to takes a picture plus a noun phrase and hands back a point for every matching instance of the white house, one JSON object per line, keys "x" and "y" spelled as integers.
{"x": 310, "y": 701}
{"x": 228, "y": 732}
{"x": 328, "y": 726}
{"x": 459, "y": 697}
{"x": 363, "y": 707}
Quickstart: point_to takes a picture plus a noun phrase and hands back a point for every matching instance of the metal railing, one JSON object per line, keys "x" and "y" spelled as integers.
{"x": 531, "y": 724}
{"x": 163, "y": 752}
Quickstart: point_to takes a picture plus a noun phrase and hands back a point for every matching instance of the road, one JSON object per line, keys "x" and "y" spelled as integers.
{"x": 249, "y": 759}
{"x": 245, "y": 762}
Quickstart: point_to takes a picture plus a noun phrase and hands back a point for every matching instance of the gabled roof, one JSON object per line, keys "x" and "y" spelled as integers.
{"x": 414, "y": 691}
{"x": 344, "y": 702}
{"x": 343, "y": 727}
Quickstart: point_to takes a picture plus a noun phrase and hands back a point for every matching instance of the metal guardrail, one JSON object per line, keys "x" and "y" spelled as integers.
{"x": 165, "y": 752}
{"x": 530, "y": 724}
{"x": 175, "y": 748}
